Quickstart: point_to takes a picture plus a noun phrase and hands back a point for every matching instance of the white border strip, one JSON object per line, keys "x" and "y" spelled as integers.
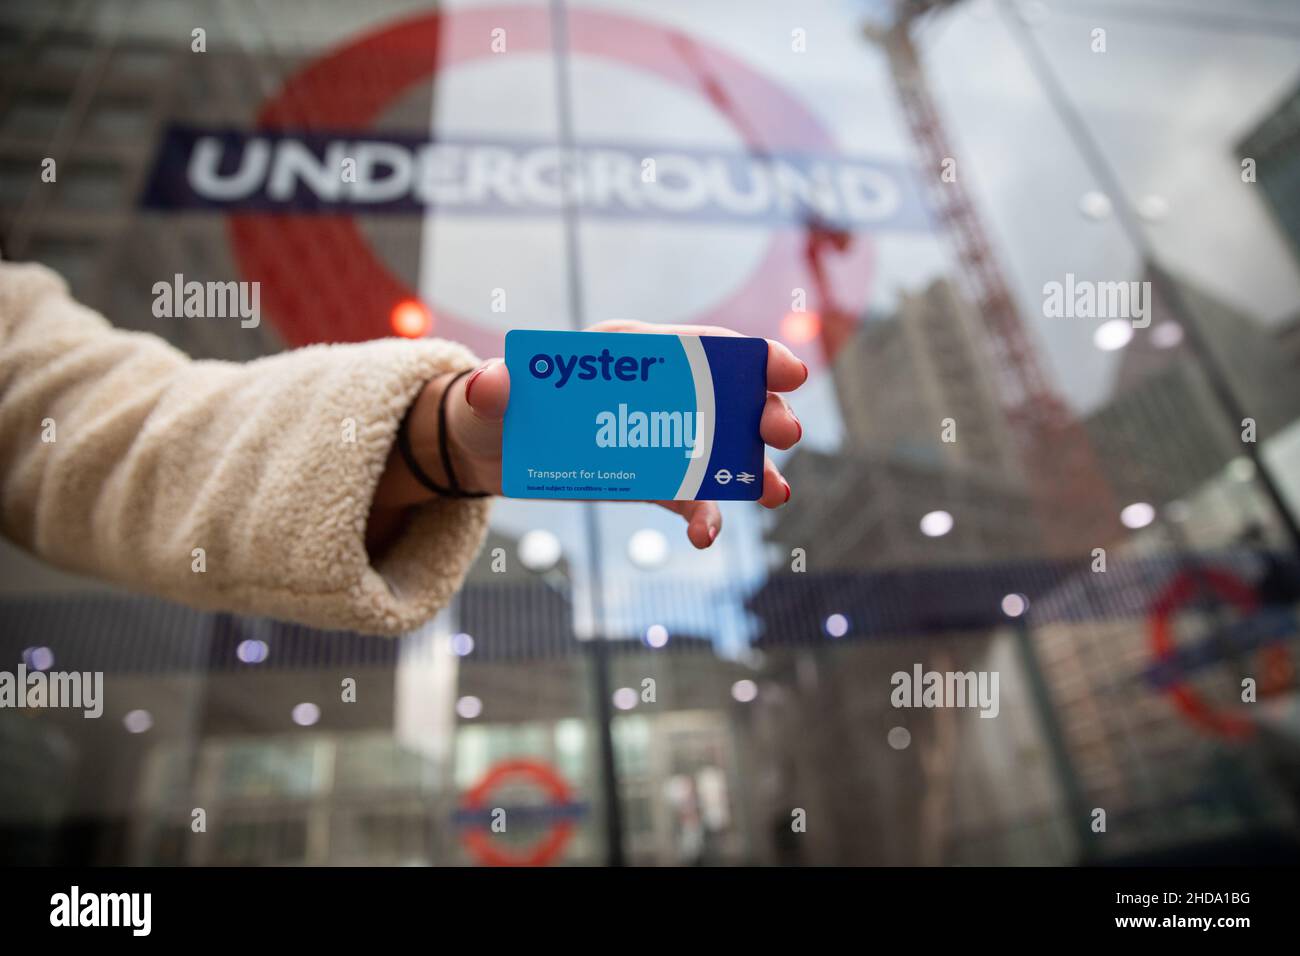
{"x": 704, "y": 417}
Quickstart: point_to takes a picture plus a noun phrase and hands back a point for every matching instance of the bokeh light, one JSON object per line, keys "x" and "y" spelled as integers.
{"x": 252, "y": 651}
{"x": 936, "y": 524}
{"x": 1113, "y": 335}
{"x": 1137, "y": 515}
{"x": 800, "y": 328}
{"x": 625, "y": 698}
{"x": 539, "y": 550}
{"x": 1094, "y": 205}
{"x": 38, "y": 658}
{"x": 411, "y": 319}
{"x": 306, "y": 714}
{"x": 1166, "y": 335}
{"x": 1014, "y": 605}
{"x": 647, "y": 548}
{"x": 744, "y": 690}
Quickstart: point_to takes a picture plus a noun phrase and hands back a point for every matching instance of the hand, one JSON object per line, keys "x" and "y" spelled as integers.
{"x": 477, "y": 406}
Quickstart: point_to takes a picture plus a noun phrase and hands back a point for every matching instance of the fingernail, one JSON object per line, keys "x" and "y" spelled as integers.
{"x": 805, "y": 370}
{"x": 469, "y": 383}
{"x": 787, "y": 491}
{"x": 799, "y": 425}
{"x": 713, "y": 533}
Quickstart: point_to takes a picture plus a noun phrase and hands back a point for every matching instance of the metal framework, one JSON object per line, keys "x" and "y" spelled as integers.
{"x": 1074, "y": 502}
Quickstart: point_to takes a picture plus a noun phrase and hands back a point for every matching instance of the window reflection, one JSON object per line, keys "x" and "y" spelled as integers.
{"x": 985, "y": 486}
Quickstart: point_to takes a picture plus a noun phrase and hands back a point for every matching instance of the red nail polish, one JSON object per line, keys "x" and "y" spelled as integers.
{"x": 787, "y": 491}
{"x": 805, "y": 370}
{"x": 469, "y": 383}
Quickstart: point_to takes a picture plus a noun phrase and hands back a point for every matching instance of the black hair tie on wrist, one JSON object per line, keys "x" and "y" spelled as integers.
{"x": 454, "y": 489}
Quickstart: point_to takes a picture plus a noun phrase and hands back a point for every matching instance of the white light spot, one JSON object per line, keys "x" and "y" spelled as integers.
{"x": 1241, "y": 469}
{"x": 38, "y": 658}
{"x": 1137, "y": 515}
{"x": 656, "y": 635}
{"x": 1167, "y": 334}
{"x": 837, "y": 625}
{"x": 936, "y": 524}
{"x": 1153, "y": 207}
{"x": 647, "y": 548}
{"x": 625, "y": 698}
{"x": 1014, "y": 605}
{"x": 137, "y": 721}
{"x": 469, "y": 707}
{"x": 252, "y": 651}
{"x": 1113, "y": 335}
{"x": 462, "y": 645}
{"x": 744, "y": 690}
{"x": 900, "y": 738}
{"x": 1095, "y": 205}
{"x": 539, "y": 550}
{"x": 306, "y": 714}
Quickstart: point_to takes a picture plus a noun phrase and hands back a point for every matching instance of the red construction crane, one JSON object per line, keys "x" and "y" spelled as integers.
{"x": 1074, "y": 501}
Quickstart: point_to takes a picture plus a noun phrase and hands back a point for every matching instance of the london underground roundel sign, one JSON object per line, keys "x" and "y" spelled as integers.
{"x": 558, "y": 814}
{"x": 294, "y": 220}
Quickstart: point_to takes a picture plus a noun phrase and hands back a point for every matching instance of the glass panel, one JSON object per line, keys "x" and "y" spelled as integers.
{"x": 1032, "y": 598}
{"x": 92, "y": 186}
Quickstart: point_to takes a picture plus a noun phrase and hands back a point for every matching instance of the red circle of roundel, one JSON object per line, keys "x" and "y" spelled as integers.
{"x": 322, "y": 283}
{"x": 1193, "y": 706}
{"x": 481, "y": 845}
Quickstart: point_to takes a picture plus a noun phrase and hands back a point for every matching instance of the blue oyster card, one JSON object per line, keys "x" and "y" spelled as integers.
{"x": 634, "y": 417}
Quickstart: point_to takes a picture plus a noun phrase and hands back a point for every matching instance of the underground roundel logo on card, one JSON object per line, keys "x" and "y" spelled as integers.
{"x": 635, "y": 417}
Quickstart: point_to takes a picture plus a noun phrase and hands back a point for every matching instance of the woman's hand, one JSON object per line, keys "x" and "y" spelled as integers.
{"x": 477, "y": 406}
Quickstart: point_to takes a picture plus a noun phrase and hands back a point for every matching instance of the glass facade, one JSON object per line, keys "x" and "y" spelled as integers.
{"x": 1033, "y": 599}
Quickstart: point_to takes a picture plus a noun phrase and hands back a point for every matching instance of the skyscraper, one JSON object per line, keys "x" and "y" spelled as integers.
{"x": 901, "y": 377}
{"x": 1163, "y": 432}
{"x": 1274, "y": 145}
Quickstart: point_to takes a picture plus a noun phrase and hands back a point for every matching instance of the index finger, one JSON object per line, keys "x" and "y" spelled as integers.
{"x": 785, "y": 373}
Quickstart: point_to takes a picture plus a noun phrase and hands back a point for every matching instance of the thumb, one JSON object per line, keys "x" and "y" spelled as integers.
{"x": 476, "y": 408}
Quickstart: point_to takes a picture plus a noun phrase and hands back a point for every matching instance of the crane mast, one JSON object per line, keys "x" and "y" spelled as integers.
{"x": 1073, "y": 500}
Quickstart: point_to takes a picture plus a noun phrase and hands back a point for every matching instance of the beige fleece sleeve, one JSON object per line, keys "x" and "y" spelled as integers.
{"x": 119, "y": 456}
